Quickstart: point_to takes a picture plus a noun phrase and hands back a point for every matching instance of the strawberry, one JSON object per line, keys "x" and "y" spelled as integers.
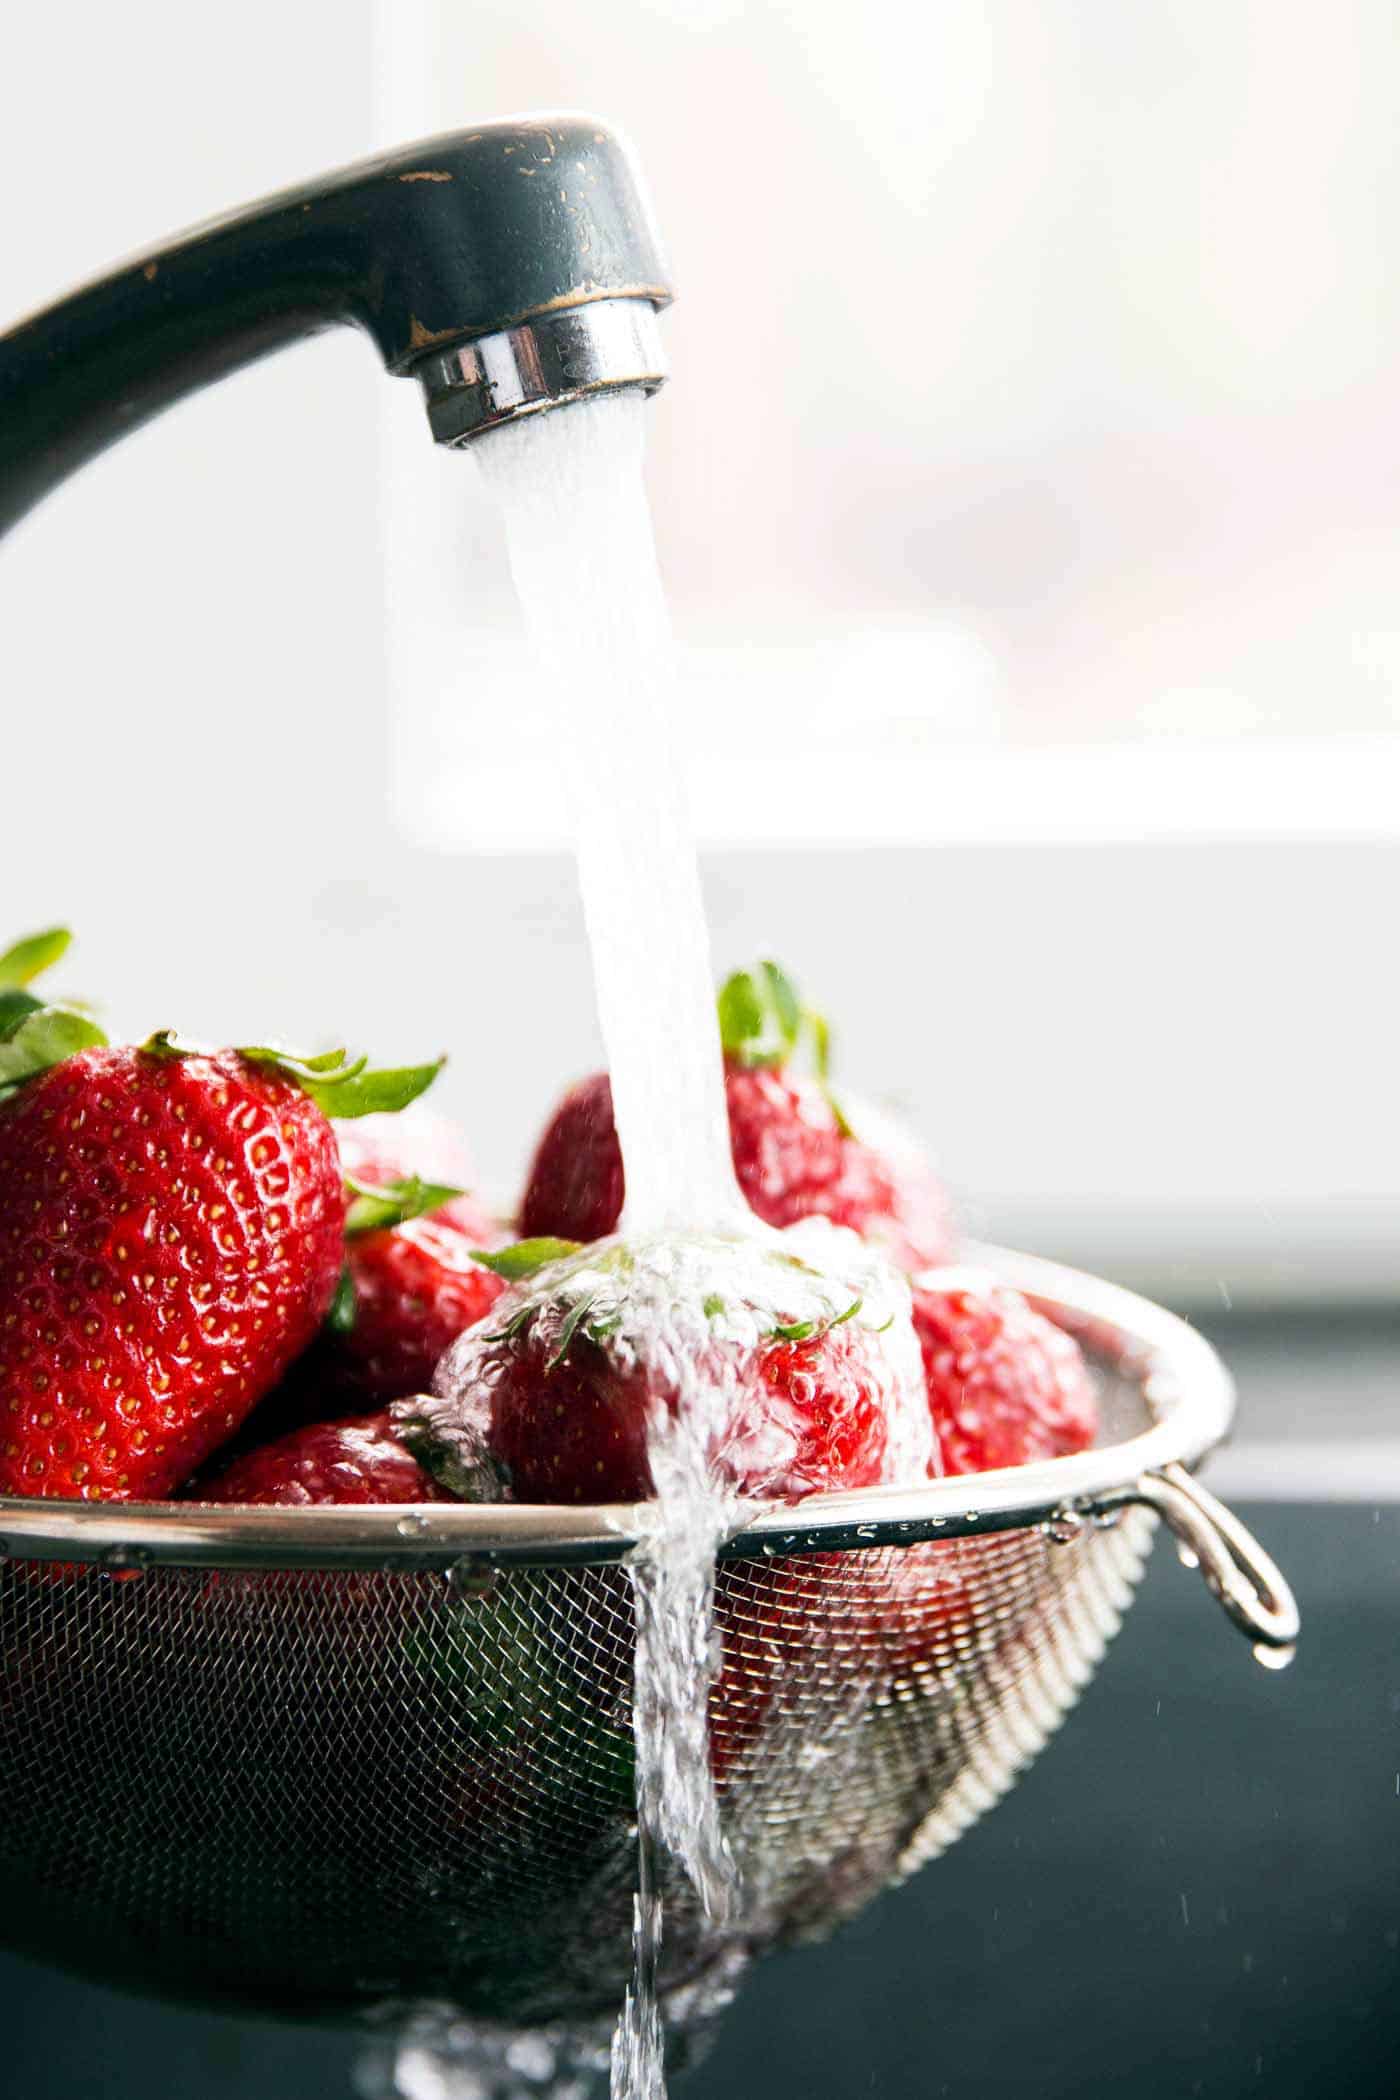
{"x": 1005, "y": 1385}
{"x": 414, "y": 1288}
{"x": 784, "y": 1368}
{"x": 356, "y": 1460}
{"x": 170, "y": 1240}
{"x": 411, "y": 1282}
{"x": 798, "y": 1152}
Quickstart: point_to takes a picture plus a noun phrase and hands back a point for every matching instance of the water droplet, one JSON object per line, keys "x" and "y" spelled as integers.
{"x": 939, "y": 1522}
{"x": 1270, "y": 1658}
{"x": 1064, "y": 1527}
{"x": 1186, "y": 1556}
{"x": 413, "y": 1525}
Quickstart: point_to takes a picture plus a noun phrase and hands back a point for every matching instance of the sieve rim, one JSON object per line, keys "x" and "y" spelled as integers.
{"x": 1186, "y": 1389}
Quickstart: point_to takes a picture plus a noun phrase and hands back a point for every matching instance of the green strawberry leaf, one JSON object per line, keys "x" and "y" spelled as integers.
{"x": 326, "y": 1068}
{"x": 515, "y": 1325}
{"x": 22, "y": 963}
{"x": 341, "y": 1317}
{"x": 525, "y": 1258}
{"x": 805, "y": 1330}
{"x": 759, "y": 1017}
{"x": 577, "y": 1314}
{"x": 361, "y": 1092}
{"x": 45, "y": 1037}
{"x": 762, "y": 1022}
{"x": 843, "y": 1123}
{"x": 14, "y": 1005}
{"x": 783, "y": 1000}
{"x": 819, "y": 1032}
{"x": 375, "y": 1209}
{"x": 341, "y": 1086}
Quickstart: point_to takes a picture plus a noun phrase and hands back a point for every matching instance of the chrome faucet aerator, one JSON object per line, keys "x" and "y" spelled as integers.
{"x": 512, "y": 268}
{"x": 543, "y": 363}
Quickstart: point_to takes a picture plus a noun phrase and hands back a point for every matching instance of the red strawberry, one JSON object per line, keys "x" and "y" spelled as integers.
{"x": 411, "y": 1283}
{"x": 796, "y": 1152}
{"x": 170, "y": 1239}
{"x": 358, "y": 1460}
{"x": 789, "y": 1371}
{"x": 415, "y": 1287}
{"x": 1005, "y": 1385}
{"x": 576, "y": 1183}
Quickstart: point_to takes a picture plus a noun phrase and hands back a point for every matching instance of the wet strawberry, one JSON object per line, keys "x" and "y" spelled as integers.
{"x": 785, "y": 1370}
{"x": 170, "y": 1240}
{"x": 1005, "y": 1385}
{"x": 359, "y": 1460}
{"x": 798, "y": 1152}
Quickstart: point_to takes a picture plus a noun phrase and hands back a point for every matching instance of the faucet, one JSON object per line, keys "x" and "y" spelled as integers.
{"x": 510, "y": 269}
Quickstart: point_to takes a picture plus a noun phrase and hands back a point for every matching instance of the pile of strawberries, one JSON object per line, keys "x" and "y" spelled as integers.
{"x": 226, "y": 1274}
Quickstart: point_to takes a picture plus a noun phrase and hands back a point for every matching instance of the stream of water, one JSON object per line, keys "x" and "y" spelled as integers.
{"x": 571, "y": 490}
{"x": 584, "y": 560}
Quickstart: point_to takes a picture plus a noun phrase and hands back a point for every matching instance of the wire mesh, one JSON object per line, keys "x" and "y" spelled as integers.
{"x": 330, "y": 1793}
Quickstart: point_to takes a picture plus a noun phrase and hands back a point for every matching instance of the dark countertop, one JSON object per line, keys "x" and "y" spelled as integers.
{"x": 1195, "y": 1890}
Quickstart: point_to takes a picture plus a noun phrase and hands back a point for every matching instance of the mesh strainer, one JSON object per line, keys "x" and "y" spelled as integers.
{"x": 328, "y": 1761}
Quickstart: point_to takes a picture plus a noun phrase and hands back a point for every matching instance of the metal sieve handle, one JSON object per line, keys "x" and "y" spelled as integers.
{"x": 1236, "y": 1569}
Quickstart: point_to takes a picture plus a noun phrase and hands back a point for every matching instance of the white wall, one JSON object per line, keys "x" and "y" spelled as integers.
{"x": 1176, "y": 1059}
